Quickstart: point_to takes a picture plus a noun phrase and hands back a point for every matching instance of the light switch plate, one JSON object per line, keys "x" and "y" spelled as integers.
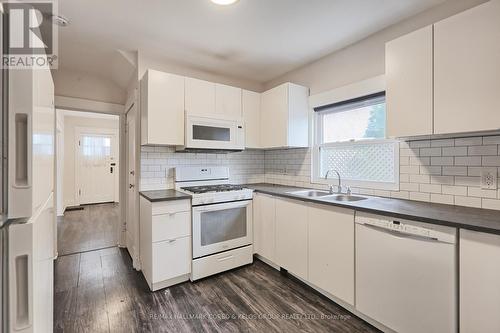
{"x": 489, "y": 178}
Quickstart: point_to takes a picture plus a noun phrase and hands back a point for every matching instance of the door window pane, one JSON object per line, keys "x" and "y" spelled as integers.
{"x": 96, "y": 149}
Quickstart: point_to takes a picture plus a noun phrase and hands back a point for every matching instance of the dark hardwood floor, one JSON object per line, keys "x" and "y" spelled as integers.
{"x": 94, "y": 227}
{"x": 99, "y": 291}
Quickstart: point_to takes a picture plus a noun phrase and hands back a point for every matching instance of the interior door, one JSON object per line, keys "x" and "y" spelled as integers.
{"x": 132, "y": 207}
{"x": 97, "y": 167}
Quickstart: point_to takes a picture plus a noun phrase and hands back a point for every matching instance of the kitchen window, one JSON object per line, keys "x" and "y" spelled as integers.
{"x": 350, "y": 138}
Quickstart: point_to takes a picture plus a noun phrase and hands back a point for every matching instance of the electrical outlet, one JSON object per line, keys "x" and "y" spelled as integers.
{"x": 489, "y": 178}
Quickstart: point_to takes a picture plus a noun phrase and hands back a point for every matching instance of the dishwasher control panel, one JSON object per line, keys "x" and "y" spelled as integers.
{"x": 414, "y": 228}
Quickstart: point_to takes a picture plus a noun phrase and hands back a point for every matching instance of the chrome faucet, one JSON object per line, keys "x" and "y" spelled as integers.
{"x": 339, "y": 189}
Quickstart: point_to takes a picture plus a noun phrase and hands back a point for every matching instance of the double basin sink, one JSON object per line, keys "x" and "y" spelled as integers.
{"x": 327, "y": 196}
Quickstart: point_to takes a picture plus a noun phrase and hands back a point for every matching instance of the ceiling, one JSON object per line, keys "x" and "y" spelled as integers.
{"x": 256, "y": 40}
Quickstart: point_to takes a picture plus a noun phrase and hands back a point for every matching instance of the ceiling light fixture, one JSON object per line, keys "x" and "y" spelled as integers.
{"x": 224, "y": 2}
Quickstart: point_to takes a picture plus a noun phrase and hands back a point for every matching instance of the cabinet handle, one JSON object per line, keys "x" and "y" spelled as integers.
{"x": 226, "y": 258}
{"x": 23, "y": 153}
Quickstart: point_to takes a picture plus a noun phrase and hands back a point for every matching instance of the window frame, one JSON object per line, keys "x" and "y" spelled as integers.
{"x": 317, "y": 178}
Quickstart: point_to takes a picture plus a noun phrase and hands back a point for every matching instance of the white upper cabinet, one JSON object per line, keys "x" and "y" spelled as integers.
{"x": 227, "y": 102}
{"x": 251, "y": 116}
{"x": 331, "y": 250}
{"x": 285, "y": 117}
{"x": 467, "y": 71}
{"x": 408, "y": 62}
{"x": 200, "y": 98}
{"x": 479, "y": 282}
{"x": 291, "y": 236}
{"x": 162, "y": 109}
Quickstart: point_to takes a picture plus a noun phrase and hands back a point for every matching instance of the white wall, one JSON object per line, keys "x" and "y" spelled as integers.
{"x": 70, "y": 124}
{"x": 59, "y": 164}
{"x": 364, "y": 59}
{"x": 147, "y": 62}
{"x": 71, "y": 83}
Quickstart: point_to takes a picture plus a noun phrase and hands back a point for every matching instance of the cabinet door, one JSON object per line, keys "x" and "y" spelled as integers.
{"x": 227, "y": 102}
{"x": 256, "y": 223}
{"x": 171, "y": 259}
{"x": 200, "y": 98}
{"x": 251, "y": 117}
{"x": 408, "y": 71}
{"x": 274, "y": 117}
{"x": 479, "y": 282}
{"x": 331, "y": 250}
{"x": 467, "y": 71}
{"x": 291, "y": 236}
{"x": 265, "y": 232}
{"x": 162, "y": 112}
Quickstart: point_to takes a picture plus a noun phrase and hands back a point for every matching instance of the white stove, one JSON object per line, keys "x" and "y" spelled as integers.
{"x": 209, "y": 185}
{"x": 221, "y": 219}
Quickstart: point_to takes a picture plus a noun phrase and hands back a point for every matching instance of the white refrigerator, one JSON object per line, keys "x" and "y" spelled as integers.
{"x": 27, "y": 225}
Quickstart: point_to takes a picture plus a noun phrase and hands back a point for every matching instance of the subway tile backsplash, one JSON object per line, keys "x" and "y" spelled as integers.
{"x": 158, "y": 163}
{"x": 442, "y": 171}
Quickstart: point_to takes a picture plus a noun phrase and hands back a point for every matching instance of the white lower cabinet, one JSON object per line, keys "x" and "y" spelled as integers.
{"x": 264, "y": 216}
{"x": 165, "y": 242}
{"x": 479, "y": 282}
{"x": 291, "y": 236}
{"x": 171, "y": 258}
{"x": 313, "y": 242}
{"x": 331, "y": 250}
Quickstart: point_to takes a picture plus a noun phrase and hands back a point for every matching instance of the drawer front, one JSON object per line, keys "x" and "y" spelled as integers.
{"x": 221, "y": 262}
{"x": 171, "y": 259}
{"x": 168, "y": 207}
{"x": 171, "y": 226}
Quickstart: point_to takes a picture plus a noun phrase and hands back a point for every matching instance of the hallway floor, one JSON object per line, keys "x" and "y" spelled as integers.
{"x": 94, "y": 227}
{"x": 99, "y": 291}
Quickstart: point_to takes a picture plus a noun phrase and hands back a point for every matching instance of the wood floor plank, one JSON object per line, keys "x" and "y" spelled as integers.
{"x": 254, "y": 298}
{"x": 66, "y": 271}
{"x": 93, "y": 227}
{"x": 99, "y": 291}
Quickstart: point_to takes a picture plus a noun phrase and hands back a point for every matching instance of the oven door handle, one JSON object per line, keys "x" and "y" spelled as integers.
{"x": 222, "y": 206}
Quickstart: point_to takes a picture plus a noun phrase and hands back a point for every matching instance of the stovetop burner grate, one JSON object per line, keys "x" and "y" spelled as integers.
{"x": 212, "y": 188}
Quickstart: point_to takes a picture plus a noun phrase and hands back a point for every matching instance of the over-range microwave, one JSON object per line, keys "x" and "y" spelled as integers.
{"x": 206, "y": 133}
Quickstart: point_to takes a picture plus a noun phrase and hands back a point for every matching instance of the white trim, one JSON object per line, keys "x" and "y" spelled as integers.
{"x": 93, "y": 130}
{"x": 366, "y": 87}
{"x": 132, "y": 98}
{"x": 86, "y": 114}
{"x": 81, "y": 104}
{"x": 354, "y": 90}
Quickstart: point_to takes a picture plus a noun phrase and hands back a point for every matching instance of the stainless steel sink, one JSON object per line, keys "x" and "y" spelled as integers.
{"x": 310, "y": 193}
{"x": 345, "y": 197}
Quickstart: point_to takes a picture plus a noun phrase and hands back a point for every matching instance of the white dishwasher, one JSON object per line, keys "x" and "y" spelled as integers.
{"x": 406, "y": 274}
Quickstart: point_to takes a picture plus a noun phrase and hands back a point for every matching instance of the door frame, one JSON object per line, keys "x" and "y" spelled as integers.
{"x": 86, "y": 105}
{"x": 100, "y": 131}
{"x": 132, "y": 106}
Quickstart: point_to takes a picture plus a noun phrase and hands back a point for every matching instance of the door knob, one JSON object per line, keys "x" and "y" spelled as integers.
{"x": 132, "y": 172}
{"x": 131, "y": 186}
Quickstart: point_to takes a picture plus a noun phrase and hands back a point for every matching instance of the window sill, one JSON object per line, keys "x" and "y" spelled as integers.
{"x": 358, "y": 184}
